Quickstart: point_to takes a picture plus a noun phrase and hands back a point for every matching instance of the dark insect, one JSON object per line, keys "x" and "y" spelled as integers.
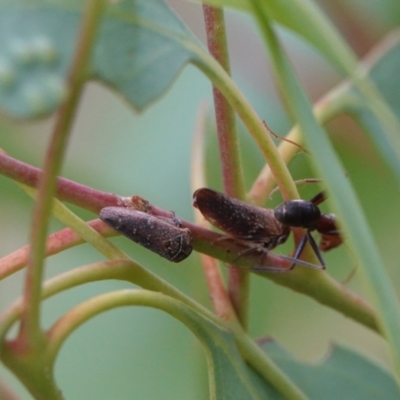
{"x": 241, "y": 220}
{"x": 245, "y": 222}
{"x": 160, "y": 235}
{"x": 268, "y": 227}
{"x": 306, "y": 214}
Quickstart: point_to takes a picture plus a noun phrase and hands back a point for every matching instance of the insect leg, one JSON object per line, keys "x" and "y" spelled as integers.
{"x": 299, "y": 249}
{"x": 316, "y": 250}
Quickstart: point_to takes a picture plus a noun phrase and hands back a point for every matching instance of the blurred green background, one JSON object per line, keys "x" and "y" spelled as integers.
{"x": 145, "y": 354}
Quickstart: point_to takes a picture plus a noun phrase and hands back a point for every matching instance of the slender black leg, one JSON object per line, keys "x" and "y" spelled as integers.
{"x": 299, "y": 249}
{"x": 308, "y": 238}
{"x": 316, "y": 249}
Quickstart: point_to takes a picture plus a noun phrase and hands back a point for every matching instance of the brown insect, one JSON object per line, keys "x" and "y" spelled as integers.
{"x": 160, "y": 235}
{"x": 239, "y": 219}
{"x": 269, "y": 227}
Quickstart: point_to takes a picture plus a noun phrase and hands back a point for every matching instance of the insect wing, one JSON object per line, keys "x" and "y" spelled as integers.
{"x": 158, "y": 235}
{"x": 237, "y": 218}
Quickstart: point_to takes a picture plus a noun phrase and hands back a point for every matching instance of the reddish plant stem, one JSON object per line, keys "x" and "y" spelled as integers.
{"x": 56, "y": 242}
{"x": 66, "y": 190}
{"x": 224, "y": 114}
{"x": 219, "y": 296}
{"x": 205, "y": 241}
{"x": 238, "y": 281}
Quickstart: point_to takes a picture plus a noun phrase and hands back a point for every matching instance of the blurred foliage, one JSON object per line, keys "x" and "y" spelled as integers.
{"x": 116, "y": 150}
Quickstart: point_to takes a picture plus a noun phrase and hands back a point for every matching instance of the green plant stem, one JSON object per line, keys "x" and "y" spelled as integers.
{"x": 85, "y": 231}
{"x": 330, "y": 293}
{"x": 122, "y": 269}
{"x": 238, "y": 280}
{"x": 328, "y": 107}
{"x": 339, "y": 55}
{"x": 85, "y": 311}
{"x": 249, "y": 117}
{"x": 30, "y": 325}
{"x": 35, "y": 372}
{"x": 129, "y": 271}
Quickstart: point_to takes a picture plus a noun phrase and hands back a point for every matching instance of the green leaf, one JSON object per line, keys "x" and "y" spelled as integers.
{"x": 343, "y": 374}
{"x": 232, "y": 378}
{"x": 35, "y": 51}
{"x": 139, "y": 51}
